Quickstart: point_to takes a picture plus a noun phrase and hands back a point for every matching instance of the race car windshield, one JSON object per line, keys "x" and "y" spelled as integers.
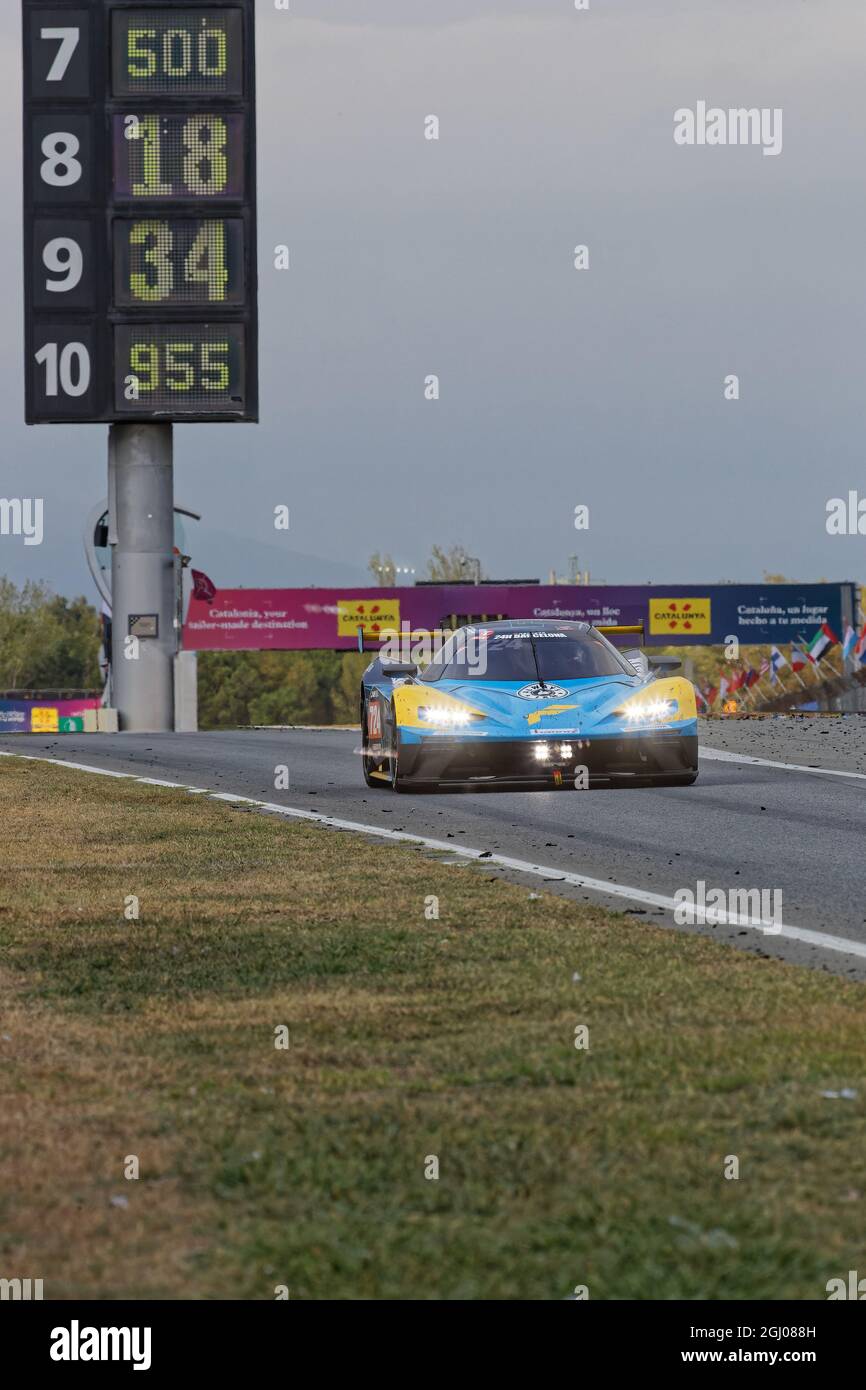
{"x": 509, "y": 656}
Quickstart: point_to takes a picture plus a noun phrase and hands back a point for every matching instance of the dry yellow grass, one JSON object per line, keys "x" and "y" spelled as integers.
{"x": 409, "y": 1037}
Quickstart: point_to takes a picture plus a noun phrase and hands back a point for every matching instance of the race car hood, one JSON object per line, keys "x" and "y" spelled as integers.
{"x": 510, "y": 702}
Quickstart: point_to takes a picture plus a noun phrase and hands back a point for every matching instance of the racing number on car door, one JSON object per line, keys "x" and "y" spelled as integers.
{"x": 374, "y": 721}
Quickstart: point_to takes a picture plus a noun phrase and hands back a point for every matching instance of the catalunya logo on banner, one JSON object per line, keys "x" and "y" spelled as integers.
{"x": 680, "y": 616}
{"x": 373, "y": 616}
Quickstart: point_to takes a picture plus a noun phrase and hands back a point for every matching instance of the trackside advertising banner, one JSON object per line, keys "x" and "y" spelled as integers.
{"x": 672, "y": 614}
{"x": 44, "y": 716}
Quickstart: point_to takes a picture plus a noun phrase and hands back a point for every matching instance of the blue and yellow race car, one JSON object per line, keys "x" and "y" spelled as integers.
{"x": 527, "y": 704}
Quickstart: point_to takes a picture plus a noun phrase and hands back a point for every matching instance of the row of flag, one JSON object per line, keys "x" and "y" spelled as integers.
{"x": 803, "y": 654}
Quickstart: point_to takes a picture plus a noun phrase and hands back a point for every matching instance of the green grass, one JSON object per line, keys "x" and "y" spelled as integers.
{"x": 409, "y": 1038}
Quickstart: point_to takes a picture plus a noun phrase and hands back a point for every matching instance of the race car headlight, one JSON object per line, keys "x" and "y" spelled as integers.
{"x": 649, "y": 711}
{"x": 446, "y": 716}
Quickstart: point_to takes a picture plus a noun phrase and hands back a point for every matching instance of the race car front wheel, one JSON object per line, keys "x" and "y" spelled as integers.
{"x": 371, "y": 767}
{"x": 396, "y": 781}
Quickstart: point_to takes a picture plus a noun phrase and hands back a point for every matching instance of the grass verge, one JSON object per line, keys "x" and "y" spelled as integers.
{"x": 408, "y": 1038}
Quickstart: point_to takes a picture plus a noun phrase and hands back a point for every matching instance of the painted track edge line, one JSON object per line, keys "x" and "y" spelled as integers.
{"x": 839, "y": 944}
{"x": 723, "y": 756}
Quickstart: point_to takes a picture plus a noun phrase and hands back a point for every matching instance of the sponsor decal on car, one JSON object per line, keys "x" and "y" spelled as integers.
{"x": 538, "y": 692}
{"x": 518, "y": 636}
{"x": 547, "y": 712}
{"x": 374, "y": 721}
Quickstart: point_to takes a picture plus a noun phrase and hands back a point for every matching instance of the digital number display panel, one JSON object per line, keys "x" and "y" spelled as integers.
{"x": 139, "y": 210}
{"x": 184, "y": 51}
{"x": 179, "y": 261}
{"x": 179, "y": 157}
{"x": 171, "y": 368}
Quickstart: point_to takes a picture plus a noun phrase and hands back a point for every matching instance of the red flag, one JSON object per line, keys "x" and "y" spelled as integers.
{"x": 737, "y": 680}
{"x": 202, "y": 587}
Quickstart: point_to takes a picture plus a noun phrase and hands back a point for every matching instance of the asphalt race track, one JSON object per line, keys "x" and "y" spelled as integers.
{"x": 741, "y": 825}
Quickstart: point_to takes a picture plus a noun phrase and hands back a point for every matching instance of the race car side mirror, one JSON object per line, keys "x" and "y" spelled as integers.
{"x": 399, "y": 668}
{"x": 665, "y": 664}
{"x": 637, "y": 659}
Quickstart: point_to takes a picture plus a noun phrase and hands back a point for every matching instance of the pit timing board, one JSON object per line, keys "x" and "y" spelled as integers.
{"x": 140, "y": 211}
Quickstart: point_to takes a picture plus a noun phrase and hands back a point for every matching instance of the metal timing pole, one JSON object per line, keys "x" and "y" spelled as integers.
{"x": 141, "y": 529}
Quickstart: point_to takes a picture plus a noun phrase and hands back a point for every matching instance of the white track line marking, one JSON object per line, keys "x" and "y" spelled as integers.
{"x": 523, "y": 866}
{"x": 766, "y": 762}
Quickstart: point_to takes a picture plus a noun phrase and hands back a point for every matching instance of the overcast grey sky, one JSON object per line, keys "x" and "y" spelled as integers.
{"x": 558, "y": 387}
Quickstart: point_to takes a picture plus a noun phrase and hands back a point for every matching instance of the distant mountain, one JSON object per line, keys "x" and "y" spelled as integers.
{"x": 231, "y": 561}
{"x": 239, "y": 562}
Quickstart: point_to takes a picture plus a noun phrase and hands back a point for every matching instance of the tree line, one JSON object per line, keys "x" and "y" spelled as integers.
{"x": 52, "y": 643}
{"x": 47, "y": 642}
